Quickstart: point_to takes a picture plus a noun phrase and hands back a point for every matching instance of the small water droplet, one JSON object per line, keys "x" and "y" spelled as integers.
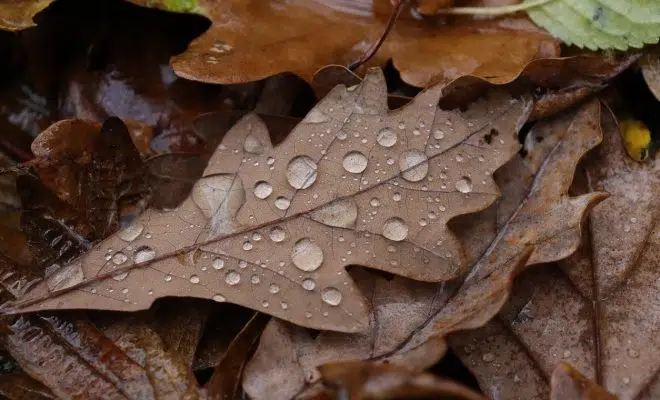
{"x": 308, "y": 284}
{"x": 219, "y": 298}
{"x": 355, "y": 162}
{"x": 232, "y": 278}
{"x": 386, "y": 137}
{"x": 395, "y": 229}
{"x": 277, "y": 234}
{"x": 375, "y": 202}
{"x": 396, "y": 196}
{"x": 119, "y": 258}
{"x": 131, "y": 233}
{"x": 391, "y": 249}
{"x": 194, "y": 279}
{"x": 488, "y": 357}
{"x": 423, "y": 222}
{"x": 273, "y": 288}
{"x": 301, "y": 172}
{"x": 221, "y": 47}
{"x": 413, "y": 165}
{"x": 255, "y": 279}
{"x": 168, "y": 278}
{"x": 247, "y": 245}
{"x": 256, "y": 236}
{"x": 262, "y": 189}
{"x": 438, "y": 134}
{"x": 460, "y": 158}
{"x": 284, "y": 305}
{"x": 253, "y": 145}
{"x": 402, "y": 125}
{"x": 282, "y": 203}
{"x": 464, "y": 185}
{"x": 308, "y": 314}
{"x": 307, "y": 255}
{"x": 121, "y": 276}
{"x": 316, "y": 116}
{"x": 218, "y": 263}
{"x": 626, "y": 380}
{"x": 432, "y": 215}
{"x": 144, "y": 254}
{"x": 633, "y": 353}
{"x": 331, "y": 296}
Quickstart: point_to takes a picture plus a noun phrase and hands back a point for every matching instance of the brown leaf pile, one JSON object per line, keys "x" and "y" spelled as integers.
{"x": 322, "y": 233}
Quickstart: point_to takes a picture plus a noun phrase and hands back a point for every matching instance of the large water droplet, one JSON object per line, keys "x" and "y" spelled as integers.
{"x": 464, "y": 185}
{"x": 120, "y": 276}
{"x": 282, "y": 203}
{"x": 131, "y": 233}
{"x": 301, "y": 172}
{"x": 253, "y": 145}
{"x": 341, "y": 213}
{"x": 247, "y": 245}
{"x": 331, "y": 296}
{"x": 355, "y": 162}
{"x": 306, "y": 255}
{"x": 65, "y": 277}
{"x": 386, "y": 137}
{"x": 277, "y": 234}
{"x": 315, "y": 116}
{"x": 414, "y": 165}
{"x": 263, "y": 189}
{"x": 395, "y": 229}
{"x": 219, "y": 298}
{"x": 232, "y": 278}
{"x": 119, "y": 258}
{"x": 308, "y": 284}
{"x": 144, "y": 254}
{"x": 218, "y": 263}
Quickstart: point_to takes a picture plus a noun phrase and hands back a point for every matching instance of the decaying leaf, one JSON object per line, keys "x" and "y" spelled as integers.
{"x": 599, "y": 310}
{"x": 273, "y": 228}
{"x": 650, "y": 65}
{"x": 536, "y": 221}
{"x": 569, "y": 384}
{"x": 17, "y": 15}
{"x": 19, "y": 386}
{"x": 301, "y": 37}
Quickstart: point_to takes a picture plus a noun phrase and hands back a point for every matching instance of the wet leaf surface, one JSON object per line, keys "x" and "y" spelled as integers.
{"x": 590, "y": 310}
{"x": 522, "y": 229}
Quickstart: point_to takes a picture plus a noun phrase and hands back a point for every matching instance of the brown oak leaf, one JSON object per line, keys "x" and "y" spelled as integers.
{"x": 599, "y": 310}
{"x": 409, "y": 319}
{"x": 273, "y": 228}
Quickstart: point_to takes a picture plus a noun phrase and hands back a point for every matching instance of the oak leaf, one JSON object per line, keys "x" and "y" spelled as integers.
{"x": 599, "y": 310}
{"x": 272, "y": 37}
{"x": 535, "y": 221}
{"x": 273, "y": 228}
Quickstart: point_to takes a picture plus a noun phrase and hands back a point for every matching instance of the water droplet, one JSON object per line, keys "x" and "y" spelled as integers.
{"x": 395, "y": 229}
{"x": 219, "y": 298}
{"x": 270, "y": 161}
{"x": 315, "y": 116}
{"x": 242, "y": 264}
{"x": 423, "y": 222}
{"x": 438, "y": 134}
{"x": 301, "y": 172}
{"x": 341, "y": 213}
{"x": 273, "y": 288}
{"x": 413, "y": 165}
{"x": 306, "y": 255}
{"x": 144, "y": 254}
{"x": 256, "y": 236}
{"x": 131, "y": 233}
{"x": 65, "y": 277}
{"x": 375, "y": 202}
{"x": 355, "y": 162}
{"x": 194, "y": 279}
{"x": 633, "y": 353}
{"x": 121, "y": 276}
{"x": 282, "y": 203}
{"x": 386, "y": 137}
{"x": 626, "y": 380}
{"x": 284, "y": 305}
{"x": 402, "y": 125}
{"x": 460, "y": 158}
{"x": 262, "y": 189}
{"x": 221, "y": 47}
{"x": 391, "y": 249}
{"x": 253, "y": 145}
{"x": 464, "y": 185}
{"x": 331, "y": 296}
{"x": 308, "y": 314}
{"x": 255, "y": 279}
{"x": 308, "y": 284}
{"x": 432, "y": 215}
{"x": 218, "y": 263}
{"x": 119, "y": 258}
{"x": 488, "y": 357}
{"x": 277, "y": 234}
{"x": 232, "y": 278}
{"x": 265, "y": 304}
{"x": 247, "y": 245}
{"x": 396, "y": 197}
{"x": 168, "y": 278}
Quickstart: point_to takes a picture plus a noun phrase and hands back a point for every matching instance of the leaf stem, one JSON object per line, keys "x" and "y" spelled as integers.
{"x": 499, "y": 10}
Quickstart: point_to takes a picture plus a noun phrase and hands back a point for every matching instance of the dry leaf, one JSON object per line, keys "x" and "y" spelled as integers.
{"x": 599, "y": 311}
{"x": 273, "y": 228}
{"x": 17, "y": 14}
{"x": 570, "y": 384}
{"x": 301, "y": 37}
{"x": 19, "y": 386}
{"x": 410, "y": 319}
{"x": 650, "y": 65}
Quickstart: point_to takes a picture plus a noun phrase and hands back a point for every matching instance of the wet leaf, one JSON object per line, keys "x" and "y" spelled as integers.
{"x": 273, "y": 228}
{"x": 599, "y": 310}
{"x": 535, "y": 221}
{"x": 288, "y": 39}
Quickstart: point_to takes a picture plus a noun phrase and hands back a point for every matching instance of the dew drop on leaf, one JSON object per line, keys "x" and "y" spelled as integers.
{"x": 218, "y": 263}
{"x": 395, "y": 229}
{"x": 131, "y": 232}
{"x": 144, "y": 254}
{"x": 273, "y": 288}
{"x": 301, "y": 172}
{"x": 386, "y": 137}
{"x": 277, "y": 234}
{"x": 331, "y": 296}
{"x": 262, "y": 189}
{"x": 316, "y": 116}
{"x": 341, "y": 213}
{"x": 307, "y": 255}
{"x": 413, "y": 165}
{"x": 232, "y": 278}
{"x": 255, "y": 279}
{"x": 219, "y": 298}
{"x": 355, "y": 162}
{"x": 121, "y": 276}
{"x": 253, "y": 145}
{"x": 464, "y": 185}
{"x": 308, "y": 284}
{"x": 282, "y": 203}
{"x": 119, "y": 258}
{"x": 65, "y": 277}
{"x": 194, "y": 279}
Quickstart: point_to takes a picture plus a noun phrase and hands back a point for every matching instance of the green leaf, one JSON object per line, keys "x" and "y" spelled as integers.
{"x": 600, "y": 24}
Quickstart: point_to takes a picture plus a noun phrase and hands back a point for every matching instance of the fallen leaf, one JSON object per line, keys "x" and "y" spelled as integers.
{"x": 599, "y": 310}
{"x": 650, "y": 66}
{"x": 570, "y": 384}
{"x": 19, "y": 386}
{"x": 17, "y": 14}
{"x": 535, "y": 221}
{"x": 274, "y": 37}
{"x": 272, "y": 229}
{"x": 361, "y": 380}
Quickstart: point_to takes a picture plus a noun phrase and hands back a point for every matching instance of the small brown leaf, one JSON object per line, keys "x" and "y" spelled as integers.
{"x": 273, "y": 229}
{"x": 536, "y": 221}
